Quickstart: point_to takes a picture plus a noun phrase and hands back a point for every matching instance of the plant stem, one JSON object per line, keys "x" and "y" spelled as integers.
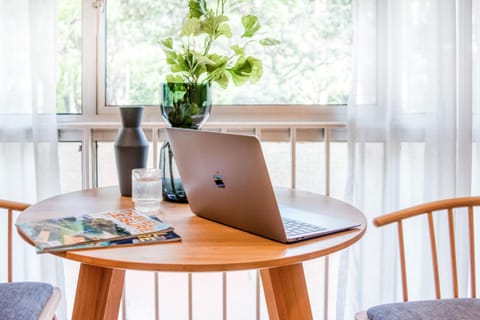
{"x": 211, "y": 38}
{"x": 209, "y": 44}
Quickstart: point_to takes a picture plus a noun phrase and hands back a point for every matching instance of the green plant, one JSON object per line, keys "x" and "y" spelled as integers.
{"x": 196, "y": 59}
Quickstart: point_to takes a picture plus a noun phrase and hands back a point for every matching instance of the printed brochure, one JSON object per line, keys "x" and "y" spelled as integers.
{"x": 155, "y": 238}
{"x": 111, "y": 225}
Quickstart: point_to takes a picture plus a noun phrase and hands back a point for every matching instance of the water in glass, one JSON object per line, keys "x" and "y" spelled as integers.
{"x": 146, "y": 189}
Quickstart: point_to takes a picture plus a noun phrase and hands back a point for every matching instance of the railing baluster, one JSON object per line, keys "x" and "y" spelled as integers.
{"x": 224, "y": 274}
{"x": 258, "y": 133}
{"x": 190, "y": 297}
{"x": 293, "y": 156}
{"x": 327, "y": 193}
{"x": 124, "y": 303}
{"x": 155, "y": 132}
{"x": 257, "y": 296}
{"x": 87, "y": 158}
{"x": 327, "y": 161}
{"x": 224, "y": 295}
{"x": 326, "y": 290}
{"x": 155, "y": 150}
{"x": 157, "y": 296}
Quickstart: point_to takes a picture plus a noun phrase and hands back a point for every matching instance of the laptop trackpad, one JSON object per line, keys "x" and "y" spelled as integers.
{"x": 321, "y": 220}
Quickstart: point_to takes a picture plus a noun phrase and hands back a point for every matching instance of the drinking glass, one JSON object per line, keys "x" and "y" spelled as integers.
{"x": 147, "y": 189}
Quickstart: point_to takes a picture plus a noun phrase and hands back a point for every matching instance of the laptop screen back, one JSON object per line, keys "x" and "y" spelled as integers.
{"x": 226, "y": 180}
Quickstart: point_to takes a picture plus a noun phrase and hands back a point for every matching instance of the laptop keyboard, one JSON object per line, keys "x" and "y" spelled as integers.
{"x": 294, "y": 227}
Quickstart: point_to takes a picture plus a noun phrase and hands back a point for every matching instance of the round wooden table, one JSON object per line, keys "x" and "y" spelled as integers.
{"x": 205, "y": 246}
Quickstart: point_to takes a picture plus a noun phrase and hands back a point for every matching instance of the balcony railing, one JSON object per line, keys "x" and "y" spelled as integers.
{"x": 240, "y": 293}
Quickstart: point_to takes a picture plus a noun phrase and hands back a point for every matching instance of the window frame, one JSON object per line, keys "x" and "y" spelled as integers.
{"x": 94, "y": 109}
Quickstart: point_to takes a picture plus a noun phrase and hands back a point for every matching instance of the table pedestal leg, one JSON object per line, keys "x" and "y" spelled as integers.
{"x": 286, "y": 293}
{"x": 99, "y": 291}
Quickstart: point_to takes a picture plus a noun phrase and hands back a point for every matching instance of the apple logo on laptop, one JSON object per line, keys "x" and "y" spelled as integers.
{"x": 218, "y": 179}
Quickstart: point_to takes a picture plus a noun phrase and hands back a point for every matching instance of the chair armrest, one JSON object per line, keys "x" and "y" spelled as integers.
{"x": 17, "y": 206}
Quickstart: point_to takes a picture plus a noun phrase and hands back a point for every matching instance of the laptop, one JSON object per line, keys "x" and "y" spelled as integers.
{"x": 226, "y": 180}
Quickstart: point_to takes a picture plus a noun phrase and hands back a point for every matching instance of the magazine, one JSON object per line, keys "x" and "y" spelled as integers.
{"x": 88, "y": 228}
{"x": 169, "y": 236}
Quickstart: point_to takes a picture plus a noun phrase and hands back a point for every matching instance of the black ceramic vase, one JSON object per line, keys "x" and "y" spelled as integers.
{"x": 183, "y": 105}
{"x": 131, "y": 147}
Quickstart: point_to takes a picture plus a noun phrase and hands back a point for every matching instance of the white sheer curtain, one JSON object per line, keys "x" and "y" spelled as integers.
{"x": 411, "y": 134}
{"x": 29, "y": 169}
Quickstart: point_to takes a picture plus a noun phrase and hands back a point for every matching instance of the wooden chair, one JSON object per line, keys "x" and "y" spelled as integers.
{"x": 438, "y": 308}
{"x": 24, "y": 300}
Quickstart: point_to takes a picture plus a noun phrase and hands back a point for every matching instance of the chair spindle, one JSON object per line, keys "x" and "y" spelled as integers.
{"x": 10, "y": 245}
{"x": 402, "y": 260}
{"x": 453, "y": 253}
{"x": 472, "y": 252}
{"x": 433, "y": 245}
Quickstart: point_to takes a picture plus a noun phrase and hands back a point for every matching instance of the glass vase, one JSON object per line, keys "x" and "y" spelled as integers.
{"x": 183, "y": 105}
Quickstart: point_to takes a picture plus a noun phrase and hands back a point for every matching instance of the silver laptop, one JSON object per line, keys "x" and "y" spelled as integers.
{"x": 226, "y": 180}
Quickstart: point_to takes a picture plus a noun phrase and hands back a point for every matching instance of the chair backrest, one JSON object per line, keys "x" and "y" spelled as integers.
{"x": 427, "y": 210}
{"x": 9, "y": 207}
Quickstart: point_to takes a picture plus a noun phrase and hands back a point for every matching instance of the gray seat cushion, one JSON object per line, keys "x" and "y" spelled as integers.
{"x": 23, "y": 300}
{"x": 451, "y": 309}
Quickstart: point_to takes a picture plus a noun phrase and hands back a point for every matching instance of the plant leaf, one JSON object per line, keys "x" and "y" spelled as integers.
{"x": 212, "y": 23}
{"x": 251, "y": 25}
{"x": 199, "y": 70}
{"x": 224, "y": 30}
{"x": 246, "y": 69}
{"x": 218, "y": 67}
{"x": 240, "y": 71}
{"x": 217, "y": 72}
{"x": 174, "y": 78}
{"x": 197, "y": 8}
{"x": 167, "y": 47}
{"x": 269, "y": 42}
{"x": 178, "y": 95}
{"x": 201, "y": 59}
{"x": 222, "y": 80}
{"x": 240, "y": 51}
{"x": 167, "y": 43}
{"x": 190, "y": 26}
{"x": 171, "y": 59}
{"x": 257, "y": 69}
{"x": 207, "y": 25}
{"x": 180, "y": 65}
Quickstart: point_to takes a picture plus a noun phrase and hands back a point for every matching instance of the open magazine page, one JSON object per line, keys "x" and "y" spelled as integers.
{"x": 95, "y": 227}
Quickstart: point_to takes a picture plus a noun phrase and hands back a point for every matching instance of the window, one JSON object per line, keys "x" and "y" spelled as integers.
{"x": 69, "y": 48}
{"x": 311, "y": 65}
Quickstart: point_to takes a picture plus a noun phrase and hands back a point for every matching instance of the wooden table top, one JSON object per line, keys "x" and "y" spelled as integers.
{"x": 205, "y": 245}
